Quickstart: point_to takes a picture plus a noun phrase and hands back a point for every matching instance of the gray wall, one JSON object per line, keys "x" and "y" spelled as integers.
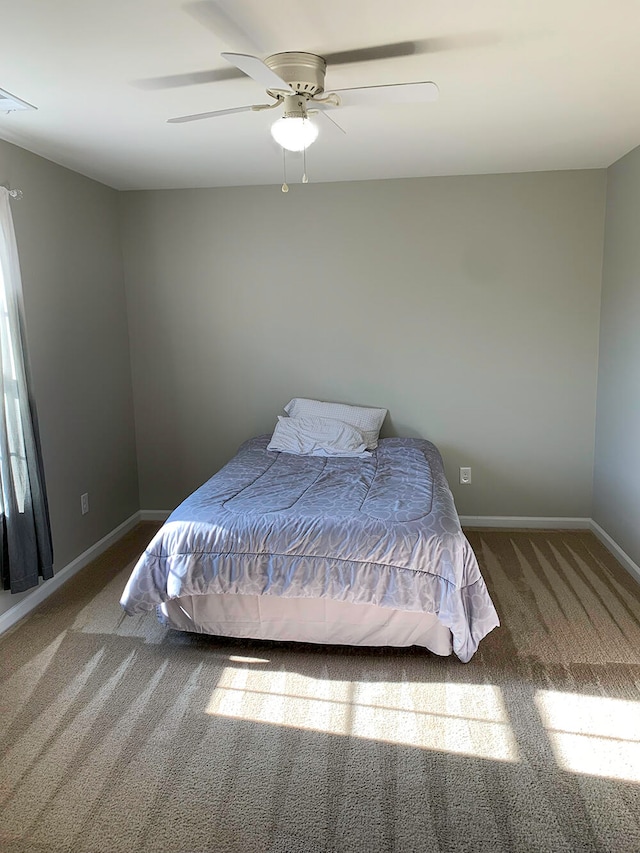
{"x": 616, "y": 505}
{"x": 69, "y": 244}
{"x": 468, "y": 306}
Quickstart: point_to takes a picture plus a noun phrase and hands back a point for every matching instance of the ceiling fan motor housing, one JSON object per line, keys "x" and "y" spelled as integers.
{"x": 304, "y": 72}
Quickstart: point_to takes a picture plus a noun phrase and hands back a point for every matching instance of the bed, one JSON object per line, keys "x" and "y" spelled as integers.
{"x": 358, "y": 549}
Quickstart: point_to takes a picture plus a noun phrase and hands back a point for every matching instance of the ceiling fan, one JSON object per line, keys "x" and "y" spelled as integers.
{"x": 296, "y": 82}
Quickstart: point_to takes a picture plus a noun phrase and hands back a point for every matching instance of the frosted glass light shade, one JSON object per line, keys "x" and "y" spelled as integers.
{"x": 294, "y": 133}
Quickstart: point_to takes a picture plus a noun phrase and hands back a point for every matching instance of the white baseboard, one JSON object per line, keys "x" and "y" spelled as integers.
{"x": 547, "y": 523}
{"x": 44, "y": 590}
{"x": 155, "y": 514}
{"x": 542, "y": 522}
{"x": 611, "y": 545}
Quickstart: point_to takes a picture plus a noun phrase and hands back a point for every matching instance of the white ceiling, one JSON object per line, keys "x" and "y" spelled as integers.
{"x": 525, "y": 85}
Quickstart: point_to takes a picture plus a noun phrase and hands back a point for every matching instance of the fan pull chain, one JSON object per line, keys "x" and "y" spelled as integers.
{"x": 305, "y": 179}
{"x": 285, "y": 186}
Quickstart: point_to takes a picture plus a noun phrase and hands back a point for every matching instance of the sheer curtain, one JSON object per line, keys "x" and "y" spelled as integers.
{"x": 25, "y": 532}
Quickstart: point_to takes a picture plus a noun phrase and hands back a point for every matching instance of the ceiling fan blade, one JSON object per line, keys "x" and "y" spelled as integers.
{"x": 257, "y": 70}
{"x": 198, "y": 116}
{"x": 368, "y": 54}
{"x": 224, "y": 20}
{"x": 437, "y": 44}
{"x": 396, "y": 93}
{"x": 189, "y": 78}
{"x": 462, "y": 41}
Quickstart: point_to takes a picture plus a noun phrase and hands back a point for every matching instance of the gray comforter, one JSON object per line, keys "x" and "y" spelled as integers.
{"x": 382, "y": 530}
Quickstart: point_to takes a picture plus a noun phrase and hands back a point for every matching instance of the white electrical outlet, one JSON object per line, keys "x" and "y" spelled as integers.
{"x": 465, "y": 476}
{"x": 84, "y": 503}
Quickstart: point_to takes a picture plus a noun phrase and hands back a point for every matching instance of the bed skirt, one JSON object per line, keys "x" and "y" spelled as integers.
{"x": 305, "y": 620}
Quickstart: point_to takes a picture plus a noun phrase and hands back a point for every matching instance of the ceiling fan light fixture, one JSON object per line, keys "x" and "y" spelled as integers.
{"x": 295, "y": 133}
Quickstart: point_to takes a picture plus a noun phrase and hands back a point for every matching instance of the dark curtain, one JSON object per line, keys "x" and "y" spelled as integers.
{"x": 25, "y": 533}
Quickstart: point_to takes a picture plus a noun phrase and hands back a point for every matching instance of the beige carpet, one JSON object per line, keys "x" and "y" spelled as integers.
{"x": 119, "y": 736}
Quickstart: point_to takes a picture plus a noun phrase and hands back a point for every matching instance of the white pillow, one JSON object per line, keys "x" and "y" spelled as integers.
{"x": 368, "y": 420}
{"x": 317, "y": 437}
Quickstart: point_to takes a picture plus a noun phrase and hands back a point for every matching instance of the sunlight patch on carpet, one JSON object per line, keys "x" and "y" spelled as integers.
{"x": 593, "y": 735}
{"x": 465, "y": 719}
